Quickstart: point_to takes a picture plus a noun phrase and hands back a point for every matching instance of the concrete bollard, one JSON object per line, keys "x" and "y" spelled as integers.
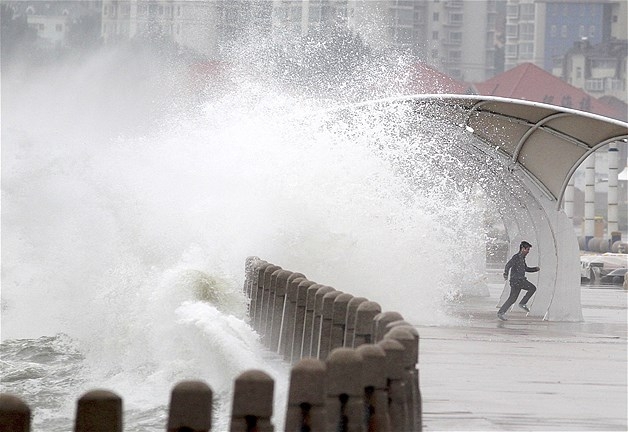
{"x": 364, "y": 316}
{"x": 269, "y": 302}
{"x": 281, "y": 288}
{"x": 299, "y": 319}
{"x": 345, "y": 394}
{"x": 308, "y": 326}
{"x": 15, "y": 415}
{"x": 252, "y": 402}
{"x": 268, "y": 276}
{"x": 339, "y": 321}
{"x": 352, "y": 309}
{"x": 326, "y": 321}
{"x": 307, "y": 396}
{"x": 256, "y": 293}
{"x": 262, "y": 296}
{"x": 397, "y": 407}
{"x": 381, "y": 321}
{"x": 375, "y": 382}
{"x": 408, "y": 337}
{"x": 287, "y": 328}
{"x": 318, "y": 318}
{"x": 190, "y": 407}
{"x": 250, "y": 266}
{"x": 99, "y": 411}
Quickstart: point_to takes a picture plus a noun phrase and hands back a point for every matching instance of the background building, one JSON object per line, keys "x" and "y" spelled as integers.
{"x": 458, "y": 37}
{"x": 584, "y": 42}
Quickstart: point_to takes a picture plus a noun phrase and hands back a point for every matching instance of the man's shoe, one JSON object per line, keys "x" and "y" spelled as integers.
{"x": 502, "y": 317}
{"x": 524, "y": 307}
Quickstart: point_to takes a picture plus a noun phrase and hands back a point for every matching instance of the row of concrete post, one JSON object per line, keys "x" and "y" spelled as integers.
{"x": 366, "y": 358}
{"x": 354, "y": 368}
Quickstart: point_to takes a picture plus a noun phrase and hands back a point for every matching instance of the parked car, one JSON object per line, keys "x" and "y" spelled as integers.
{"x": 616, "y": 277}
{"x": 594, "y": 267}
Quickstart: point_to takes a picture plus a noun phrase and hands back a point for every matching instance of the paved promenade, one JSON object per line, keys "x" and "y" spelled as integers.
{"x": 527, "y": 374}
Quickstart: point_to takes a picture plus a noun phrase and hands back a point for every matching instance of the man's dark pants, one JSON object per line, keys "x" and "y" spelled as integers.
{"x": 516, "y": 286}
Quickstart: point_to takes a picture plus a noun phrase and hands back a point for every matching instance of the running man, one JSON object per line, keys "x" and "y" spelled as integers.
{"x": 517, "y": 267}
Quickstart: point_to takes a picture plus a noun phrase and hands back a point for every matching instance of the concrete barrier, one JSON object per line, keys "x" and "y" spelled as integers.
{"x": 408, "y": 337}
{"x": 375, "y": 385}
{"x": 395, "y": 371}
{"x": 318, "y": 318}
{"x": 345, "y": 393}
{"x": 339, "y": 321}
{"x": 307, "y": 396}
{"x": 327, "y": 309}
{"x": 190, "y": 407}
{"x": 308, "y": 325}
{"x": 364, "y": 316}
{"x": 381, "y": 321}
{"x": 270, "y": 295}
{"x": 299, "y": 320}
{"x": 99, "y": 411}
{"x": 352, "y": 309}
{"x": 252, "y": 402}
{"x": 287, "y": 330}
{"x": 278, "y": 301}
{"x": 15, "y": 415}
{"x": 366, "y": 386}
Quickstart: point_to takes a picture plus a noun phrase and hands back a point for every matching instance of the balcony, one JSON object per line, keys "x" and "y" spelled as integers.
{"x": 603, "y": 85}
{"x": 454, "y": 4}
{"x": 454, "y": 20}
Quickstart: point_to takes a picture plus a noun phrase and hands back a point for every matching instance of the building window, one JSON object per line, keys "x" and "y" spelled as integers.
{"x": 455, "y": 18}
{"x": 578, "y": 72}
{"x": 526, "y": 51}
{"x": 512, "y": 30}
{"x": 592, "y": 31}
{"x": 553, "y": 30}
{"x": 563, "y": 31}
{"x": 455, "y": 37}
{"x": 511, "y": 50}
{"x": 526, "y": 32}
{"x": 455, "y": 56}
{"x": 435, "y": 35}
{"x": 596, "y": 84}
{"x": 435, "y": 16}
{"x": 512, "y": 11}
{"x": 527, "y": 11}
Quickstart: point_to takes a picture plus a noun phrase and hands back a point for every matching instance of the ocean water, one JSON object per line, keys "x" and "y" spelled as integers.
{"x": 132, "y": 195}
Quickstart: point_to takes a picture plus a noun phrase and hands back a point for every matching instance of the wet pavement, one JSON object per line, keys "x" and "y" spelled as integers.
{"x": 525, "y": 373}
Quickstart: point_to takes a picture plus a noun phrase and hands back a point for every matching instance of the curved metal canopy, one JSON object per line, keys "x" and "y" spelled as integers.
{"x": 548, "y": 141}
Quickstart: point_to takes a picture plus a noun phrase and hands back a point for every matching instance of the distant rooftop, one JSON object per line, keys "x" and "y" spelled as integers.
{"x": 530, "y": 82}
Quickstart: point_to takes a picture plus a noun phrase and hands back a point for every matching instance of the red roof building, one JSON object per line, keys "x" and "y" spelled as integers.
{"x": 427, "y": 80}
{"x": 530, "y": 82}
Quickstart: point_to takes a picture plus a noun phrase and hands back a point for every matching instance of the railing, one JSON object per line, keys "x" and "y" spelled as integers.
{"x": 354, "y": 367}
